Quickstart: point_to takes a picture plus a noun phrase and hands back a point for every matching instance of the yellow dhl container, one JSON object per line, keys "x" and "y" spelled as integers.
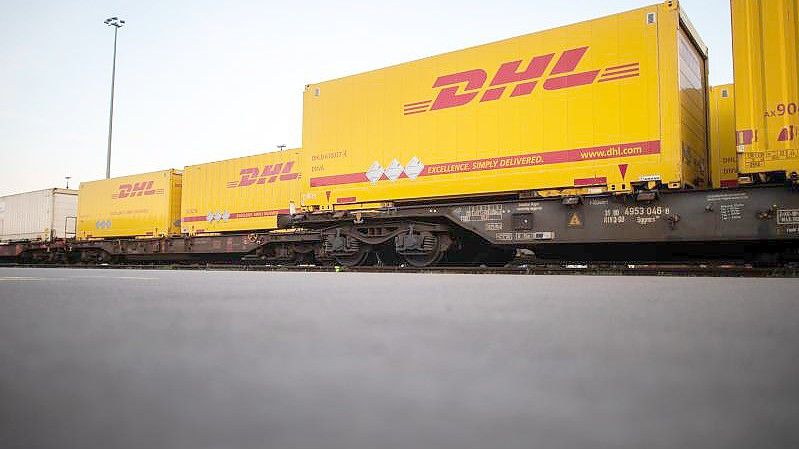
{"x": 765, "y": 49}
{"x": 595, "y": 106}
{"x": 723, "y": 160}
{"x": 144, "y": 205}
{"x": 240, "y": 194}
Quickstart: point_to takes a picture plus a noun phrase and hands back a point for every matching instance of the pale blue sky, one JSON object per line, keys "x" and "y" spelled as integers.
{"x": 202, "y": 80}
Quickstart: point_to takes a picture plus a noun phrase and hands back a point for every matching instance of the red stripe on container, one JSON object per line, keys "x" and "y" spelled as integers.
{"x": 619, "y": 72}
{"x": 257, "y": 213}
{"x": 239, "y": 215}
{"x": 418, "y": 102}
{"x": 624, "y": 150}
{"x": 350, "y": 178}
{"x": 602, "y": 80}
{"x": 726, "y": 183}
{"x": 345, "y": 200}
{"x": 624, "y": 66}
{"x": 744, "y": 137}
{"x": 590, "y": 181}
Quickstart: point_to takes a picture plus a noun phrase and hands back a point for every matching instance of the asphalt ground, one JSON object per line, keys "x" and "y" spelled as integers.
{"x": 204, "y": 359}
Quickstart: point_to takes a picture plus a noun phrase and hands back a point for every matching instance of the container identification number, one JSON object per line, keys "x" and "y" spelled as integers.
{"x": 783, "y": 109}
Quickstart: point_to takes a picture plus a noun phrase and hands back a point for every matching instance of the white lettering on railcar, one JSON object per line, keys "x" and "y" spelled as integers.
{"x": 613, "y": 217}
{"x": 642, "y": 215}
{"x": 528, "y": 207}
{"x": 494, "y": 226}
{"x": 788, "y": 216}
{"x": 731, "y": 211}
{"x": 482, "y": 212}
{"x": 728, "y": 196}
{"x": 505, "y": 236}
{"x": 545, "y": 235}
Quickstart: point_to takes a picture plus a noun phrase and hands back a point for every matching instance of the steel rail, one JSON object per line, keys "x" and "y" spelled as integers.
{"x": 704, "y": 270}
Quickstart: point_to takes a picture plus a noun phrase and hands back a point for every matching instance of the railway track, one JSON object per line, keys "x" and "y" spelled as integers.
{"x": 707, "y": 270}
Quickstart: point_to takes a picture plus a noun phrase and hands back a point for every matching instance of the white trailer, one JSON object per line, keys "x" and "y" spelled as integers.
{"x": 40, "y": 215}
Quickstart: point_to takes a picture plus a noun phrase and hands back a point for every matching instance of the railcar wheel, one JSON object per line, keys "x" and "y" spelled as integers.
{"x": 424, "y": 260}
{"x": 422, "y": 249}
{"x": 385, "y": 256}
{"x": 356, "y": 259}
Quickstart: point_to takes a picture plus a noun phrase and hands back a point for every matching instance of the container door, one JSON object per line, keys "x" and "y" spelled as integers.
{"x": 70, "y": 227}
{"x": 693, "y": 111}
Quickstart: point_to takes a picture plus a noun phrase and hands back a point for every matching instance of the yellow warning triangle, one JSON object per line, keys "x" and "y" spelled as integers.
{"x": 575, "y": 220}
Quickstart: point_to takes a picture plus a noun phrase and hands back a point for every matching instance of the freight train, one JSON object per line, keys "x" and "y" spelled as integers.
{"x": 599, "y": 140}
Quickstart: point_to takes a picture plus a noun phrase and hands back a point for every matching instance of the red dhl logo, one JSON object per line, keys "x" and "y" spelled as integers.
{"x": 269, "y": 174}
{"x": 749, "y": 136}
{"x": 787, "y": 133}
{"x": 136, "y": 189}
{"x": 458, "y": 89}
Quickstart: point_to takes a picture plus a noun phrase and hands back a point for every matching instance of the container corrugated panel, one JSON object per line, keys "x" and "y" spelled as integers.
{"x": 595, "y": 106}
{"x": 240, "y": 194}
{"x": 723, "y": 159}
{"x": 39, "y": 215}
{"x": 143, "y": 205}
{"x": 765, "y": 35}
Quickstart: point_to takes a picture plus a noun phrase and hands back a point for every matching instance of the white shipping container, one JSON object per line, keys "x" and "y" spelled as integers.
{"x": 41, "y": 215}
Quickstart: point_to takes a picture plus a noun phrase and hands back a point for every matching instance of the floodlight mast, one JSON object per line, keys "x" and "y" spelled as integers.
{"x": 117, "y": 23}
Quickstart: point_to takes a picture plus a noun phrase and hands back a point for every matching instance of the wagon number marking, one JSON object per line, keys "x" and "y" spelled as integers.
{"x": 640, "y": 215}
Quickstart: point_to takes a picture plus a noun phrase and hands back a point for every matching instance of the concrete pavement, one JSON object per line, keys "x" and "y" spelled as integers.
{"x": 195, "y": 359}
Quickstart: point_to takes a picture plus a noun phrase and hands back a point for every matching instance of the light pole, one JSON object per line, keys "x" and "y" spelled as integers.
{"x": 117, "y": 23}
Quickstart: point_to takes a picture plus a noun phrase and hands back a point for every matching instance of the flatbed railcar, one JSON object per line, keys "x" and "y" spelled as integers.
{"x": 384, "y": 215}
{"x": 755, "y": 224}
